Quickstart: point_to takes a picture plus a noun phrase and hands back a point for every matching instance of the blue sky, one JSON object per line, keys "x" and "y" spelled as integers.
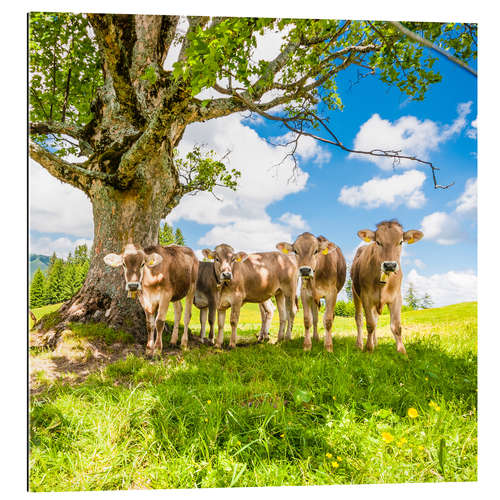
{"x": 333, "y": 194}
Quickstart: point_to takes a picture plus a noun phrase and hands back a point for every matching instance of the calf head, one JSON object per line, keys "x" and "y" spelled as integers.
{"x": 389, "y": 238}
{"x": 307, "y": 249}
{"x": 224, "y": 258}
{"x": 133, "y": 259}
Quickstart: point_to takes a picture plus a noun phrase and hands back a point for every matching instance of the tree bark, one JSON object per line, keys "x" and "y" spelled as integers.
{"x": 121, "y": 216}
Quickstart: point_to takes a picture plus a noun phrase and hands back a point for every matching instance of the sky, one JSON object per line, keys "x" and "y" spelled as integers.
{"x": 329, "y": 192}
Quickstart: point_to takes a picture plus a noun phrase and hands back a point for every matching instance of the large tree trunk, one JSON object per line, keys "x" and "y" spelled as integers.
{"x": 121, "y": 216}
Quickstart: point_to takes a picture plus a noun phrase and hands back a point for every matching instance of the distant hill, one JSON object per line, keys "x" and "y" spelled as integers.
{"x": 38, "y": 261}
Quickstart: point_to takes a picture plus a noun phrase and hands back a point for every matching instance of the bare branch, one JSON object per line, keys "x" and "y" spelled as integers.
{"x": 430, "y": 45}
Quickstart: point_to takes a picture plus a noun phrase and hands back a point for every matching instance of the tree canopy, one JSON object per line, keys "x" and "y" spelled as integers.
{"x": 78, "y": 62}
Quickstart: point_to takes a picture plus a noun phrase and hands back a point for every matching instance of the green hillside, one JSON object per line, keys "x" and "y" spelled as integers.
{"x": 38, "y": 261}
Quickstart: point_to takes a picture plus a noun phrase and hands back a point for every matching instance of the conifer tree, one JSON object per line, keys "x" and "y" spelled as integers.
{"x": 37, "y": 289}
{"x": 179, "y": 237}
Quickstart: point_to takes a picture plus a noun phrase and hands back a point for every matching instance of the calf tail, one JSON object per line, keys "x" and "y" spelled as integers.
{"x": 297, "y": 302}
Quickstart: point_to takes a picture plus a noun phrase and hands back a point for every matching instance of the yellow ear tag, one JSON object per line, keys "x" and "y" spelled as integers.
{"x": 284, "y": 250}
{"x": 411, "y": 240}
{"x": 367, "y": 240}
{"x": 131, "y": 294}
{"x": 383, "y": 277}
{"x": 325, "y": 251}
{"x": 238, "y": 259}
{"x": 151, "y": 262}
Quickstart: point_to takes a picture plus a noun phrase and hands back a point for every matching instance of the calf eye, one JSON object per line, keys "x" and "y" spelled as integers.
{"x": 315, "y": 252}
{"x": 401, "y": 242}
{"x": 378, "y": 243}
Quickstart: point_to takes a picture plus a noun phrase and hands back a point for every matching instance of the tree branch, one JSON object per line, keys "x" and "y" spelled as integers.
{"x": 70, "y": 173}
{"x": 53, "y": 127}
{"x": 417, "y": 38}
{"x": 115, "y": 35}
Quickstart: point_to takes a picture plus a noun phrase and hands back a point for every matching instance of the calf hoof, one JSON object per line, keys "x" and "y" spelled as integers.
{"x": 369, "y": 347}
{"x": 173, "y": 343}
{"x": 184, "y": 346}
{"x": 402, "y": 350}
{"x": 359, "y": 345}
{"x": 316, "y": 338}
{"x": 329, "y": 347}
{"x": 156, "y": 353}
{"x": 307, "y": 346}
{"x": 218, "y": 346}
{"x": 232, "y": 346}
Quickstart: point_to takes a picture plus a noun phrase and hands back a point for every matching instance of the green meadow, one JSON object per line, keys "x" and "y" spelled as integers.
{"x": 103, "y": 417}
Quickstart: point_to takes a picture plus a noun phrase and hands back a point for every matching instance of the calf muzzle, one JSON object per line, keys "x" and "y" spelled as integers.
{"x": 389, "y": 266}
{"x": 306, "y": 272}
{"x": 133, "y": 286}
{"x": 226, "y": 276}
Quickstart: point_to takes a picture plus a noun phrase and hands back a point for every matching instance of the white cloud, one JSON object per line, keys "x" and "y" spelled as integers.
{"x": 418, "y": 263}
{"x": 447, "y": 228}
{"x": 293, "y": 220}
{"x": 392, "y": 191}
{"x": 56, "y": 207}
{"x": 445, "y": 289}
{"x": 240, "y": 218}
{"x": 407, "y": 134}
{"x": 467, "y": 202}
{"x": 442, "y": 227}
{"x": 472, "y": 131}
{"x": 62, "y": 246}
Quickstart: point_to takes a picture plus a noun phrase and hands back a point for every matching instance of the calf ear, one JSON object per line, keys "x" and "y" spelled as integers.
{"x": 366, "y": 235}
{"x": 412, "y": 236}
{"x": 113, "y": 259}
{"x": 284, "y": 247}
{"x": 240, "y": 257}
{"x": 153, "y": 259}
{"x": 326, "y": 247}
{"x": 208, "y": 254}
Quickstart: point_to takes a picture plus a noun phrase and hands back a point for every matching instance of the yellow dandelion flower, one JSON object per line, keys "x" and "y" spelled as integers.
{"x": 427, "y": 379}
{"x": 402, "y": 441}
{"x": 238, "y": 442}
{"x": 206, "y": 420}
{"x": 334, "y": 398}
{"x": 208, "y": 401}
{"x": 282, "y": 435}
{"x": 421, "y": 448}
{"x": 328, "y": 455}
{"x": 387, "y": 437}
{"x": 335, "y": 465}
{"x": 339, "y": 459}
{"x": 412, "y": 413}
{"x": 433, "y": 405}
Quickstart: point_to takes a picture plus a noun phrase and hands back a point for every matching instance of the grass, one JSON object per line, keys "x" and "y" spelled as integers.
{"x": 268, "y": 415}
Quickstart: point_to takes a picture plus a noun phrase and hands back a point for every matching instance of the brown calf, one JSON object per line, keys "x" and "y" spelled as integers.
{"x": 376, "y": 279}
{"x": 206, "y": 299}
{"x": 159, "y": 275}
{"x": 253, "y": 278}
{"x": 322, "y": 269}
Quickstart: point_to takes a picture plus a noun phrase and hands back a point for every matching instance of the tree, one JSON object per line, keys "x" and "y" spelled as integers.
{"x": 179, "y": 237}
{"x": 99, "y": 89}
{"x": 37, "y": 289}
{"x": 411, "y": 298}
{"x": 427, "y": 302}
{"x": 166, "y": 235}
{"x": 54, "y": 284}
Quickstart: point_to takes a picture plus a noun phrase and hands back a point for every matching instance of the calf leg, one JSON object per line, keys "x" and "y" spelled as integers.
{"x": 395, "y": 312}
{"x": 234, "y": 318}
{"x": 203, "y": 321}
{"x": 308, "y": 317}
{"x": 314, "y": 310}
{"x": 160, "y": 324}
{"x": 266, "y": 312}
{"x": 150, "y": 324}
{"x": 187, "y": 315}
{"x": 211, "y": 321}
{"x": 280, "y": 302}
{"x": 177, "y": 319}
{"x": 221, "y": 319}
{"x": 371, "y": 316}
{"x": 290, "y": 311}
{"x": 328, "y": 318}
{"x": 358, "y": 315}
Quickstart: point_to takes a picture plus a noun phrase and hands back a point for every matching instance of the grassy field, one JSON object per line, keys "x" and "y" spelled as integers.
{"x": 263, "y": 415}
